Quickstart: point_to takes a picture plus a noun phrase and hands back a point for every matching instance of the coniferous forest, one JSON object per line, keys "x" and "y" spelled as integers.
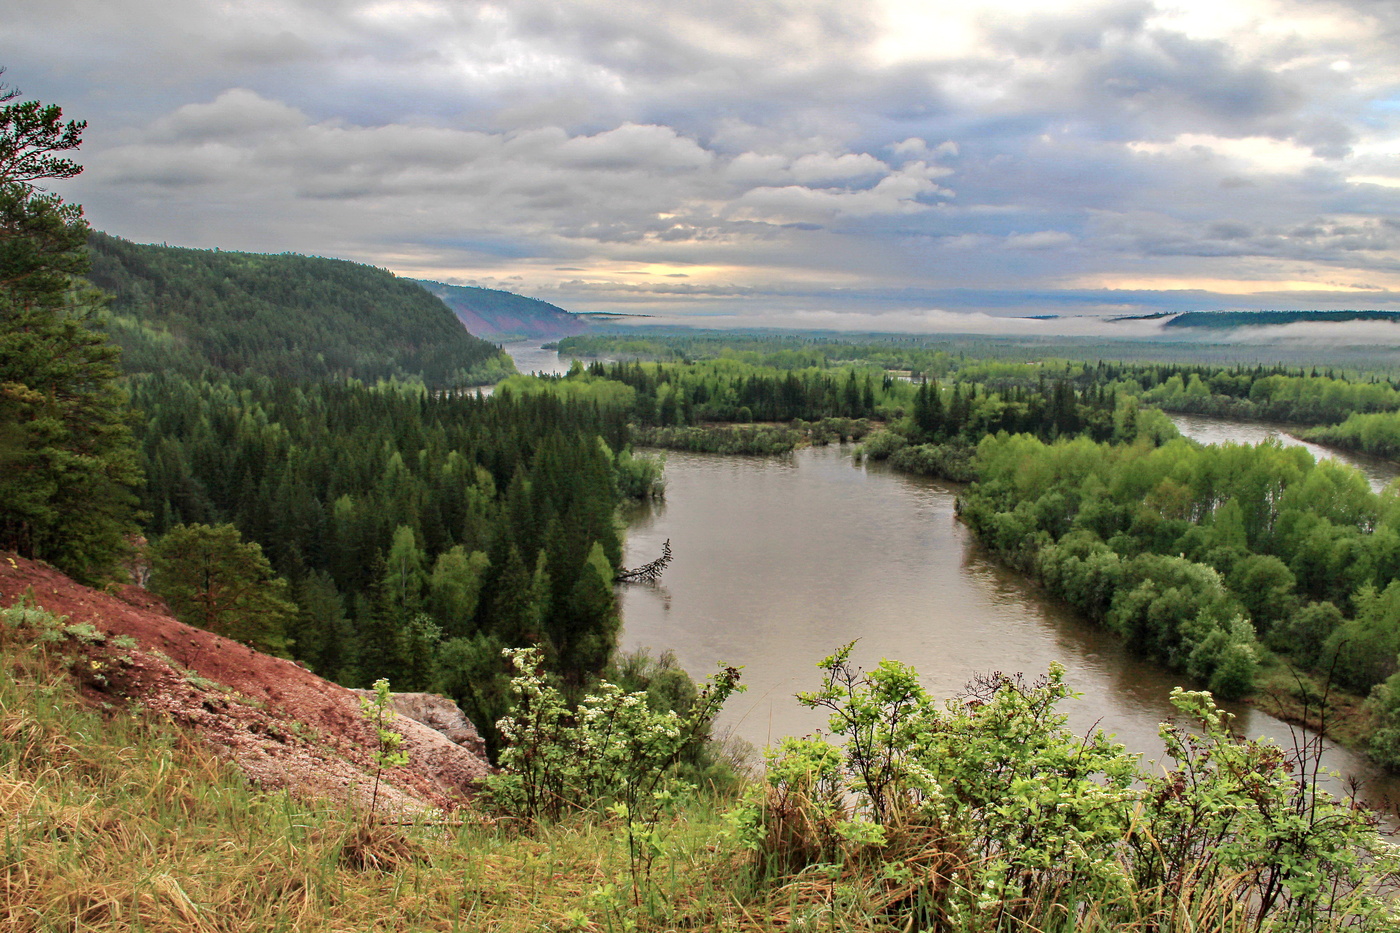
{"x": 421, "y": 533}
{"x": 189, "y": 311}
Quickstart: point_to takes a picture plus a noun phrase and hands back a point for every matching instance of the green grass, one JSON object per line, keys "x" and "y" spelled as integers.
{"x": 110, "y": 821}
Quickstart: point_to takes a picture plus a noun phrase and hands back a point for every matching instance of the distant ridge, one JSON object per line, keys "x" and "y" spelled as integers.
{"x": 190, "y": 310}
{"x": 501, "y": 315}
{"x": 1230, "y": 319}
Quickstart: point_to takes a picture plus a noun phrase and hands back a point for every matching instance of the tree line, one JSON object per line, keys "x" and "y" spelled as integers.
{"x": 1208, "y": 559}
{"x": 1203, "y": 557}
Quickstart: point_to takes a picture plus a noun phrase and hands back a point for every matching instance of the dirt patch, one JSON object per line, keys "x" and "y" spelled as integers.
{"x": 282, "y": 725}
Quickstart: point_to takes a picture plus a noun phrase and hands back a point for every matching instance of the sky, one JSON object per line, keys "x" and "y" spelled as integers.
{"x": 909, "y": 165}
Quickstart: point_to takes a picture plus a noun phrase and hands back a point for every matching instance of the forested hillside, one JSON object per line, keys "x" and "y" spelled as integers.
{"x": 300, "y": 483}
{"x": 290, "y": 316}
{"x": 387, "y": 528}
{"x": 1228, "y": 319}
{"x": 420, "y": 534}
{"x": 490, "y": 312}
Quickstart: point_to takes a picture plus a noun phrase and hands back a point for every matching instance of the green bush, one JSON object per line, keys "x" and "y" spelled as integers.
{"x": 986, "y": 813}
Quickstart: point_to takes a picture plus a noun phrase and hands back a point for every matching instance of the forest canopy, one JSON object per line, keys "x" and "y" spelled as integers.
{"x": 290, "y": 316}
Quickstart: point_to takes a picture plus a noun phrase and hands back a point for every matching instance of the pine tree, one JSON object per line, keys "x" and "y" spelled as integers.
{"x": 215, "y": 580}
{"x": 68, "y": 468}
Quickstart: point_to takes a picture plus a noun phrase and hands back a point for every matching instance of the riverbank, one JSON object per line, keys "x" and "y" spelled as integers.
{"x": 779, "y": 561}
{"x": 751, "y": 439}
{"x": 1281, "y": 690}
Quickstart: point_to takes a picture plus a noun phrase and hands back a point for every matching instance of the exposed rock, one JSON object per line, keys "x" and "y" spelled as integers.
{"x": 437, "y": 713}
{"x": 282, "y": 725}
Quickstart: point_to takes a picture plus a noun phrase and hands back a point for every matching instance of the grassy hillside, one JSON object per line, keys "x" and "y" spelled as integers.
{"x": 188, "y": 310}
{"x": 992, "y": 820}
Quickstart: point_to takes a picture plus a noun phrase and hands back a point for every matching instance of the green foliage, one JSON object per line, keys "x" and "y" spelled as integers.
{"x": 27, "y": 617}
{"x": 475, "y": 673}
{"x": 882, "y": 445}
{"x": 1272, "y": 394}
{"x": 613, "y": 753}
{"x": 1241, "y": 813}
{"x": 953, "y": 461}
{"x": 1193, "y": 553}
{"x": 1305, "y": 633}
{"x": 763, "y": 440}
{"x": 1016, "y": 806}
{"x": 717, "y": 765}
{"x": 389, "y": 751}
{"x": 1217, "y": 843}
{"x": 1385, "y": 742}
{"x": 985, "y": 813}
{"x": 290, "y": 316}
{"x": 213, "y": 579}
{"x": 640, "y": 477}
{"x": 1366, "y": 647}
{"x": 613, "y": 748}
{"x": 414, "y": 513}
{"x": 67, "y": 467}
{"x": 455, "y": 588}
{"x": 1377, "y": 434}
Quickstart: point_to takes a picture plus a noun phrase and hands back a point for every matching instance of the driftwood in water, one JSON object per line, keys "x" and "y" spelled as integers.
{"x": 648, "y": 573}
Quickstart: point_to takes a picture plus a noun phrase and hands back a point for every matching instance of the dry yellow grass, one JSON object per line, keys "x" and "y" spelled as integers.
{"x": 109, "y": 822}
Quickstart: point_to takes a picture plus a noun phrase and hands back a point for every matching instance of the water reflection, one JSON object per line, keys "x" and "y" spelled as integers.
{"x": 530, "y": 357}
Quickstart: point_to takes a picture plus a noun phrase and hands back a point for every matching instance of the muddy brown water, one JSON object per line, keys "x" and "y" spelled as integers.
{"x": 780, "y": 561}
{"x": 1379, "y": 473}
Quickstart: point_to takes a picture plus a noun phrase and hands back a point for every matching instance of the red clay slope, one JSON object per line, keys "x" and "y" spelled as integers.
{"x": 283, "y": 726}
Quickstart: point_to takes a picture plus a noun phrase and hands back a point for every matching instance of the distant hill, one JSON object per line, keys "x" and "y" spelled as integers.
{"x": 188, "y": 310}
{"x": 489, "y": 312}
{"x": 1229, "y": 319}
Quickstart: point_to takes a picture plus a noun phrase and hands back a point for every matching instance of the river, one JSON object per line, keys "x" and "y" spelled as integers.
{"x": 1207, "y": 430}
{"x": 780, "y": 561}
{"x": 530, "y": 357}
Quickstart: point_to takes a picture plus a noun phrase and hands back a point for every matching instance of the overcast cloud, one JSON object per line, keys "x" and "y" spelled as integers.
{"x": 920, "y": 165}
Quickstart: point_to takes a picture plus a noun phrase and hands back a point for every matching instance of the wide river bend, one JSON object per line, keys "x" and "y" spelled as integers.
{"x": 780, "y": 561}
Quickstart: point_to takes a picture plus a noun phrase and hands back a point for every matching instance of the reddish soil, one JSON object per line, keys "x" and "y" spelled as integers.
{"x": 282, "y": 725}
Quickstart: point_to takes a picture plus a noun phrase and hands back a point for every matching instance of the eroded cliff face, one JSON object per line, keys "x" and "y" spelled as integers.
{"x": 280, "y": 724}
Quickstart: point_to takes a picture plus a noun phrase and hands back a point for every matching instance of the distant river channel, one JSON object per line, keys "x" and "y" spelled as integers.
{"x": 780, "y": 561}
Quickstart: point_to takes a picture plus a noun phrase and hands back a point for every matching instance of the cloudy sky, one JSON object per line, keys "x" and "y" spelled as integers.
{"x": 882, "y": 164}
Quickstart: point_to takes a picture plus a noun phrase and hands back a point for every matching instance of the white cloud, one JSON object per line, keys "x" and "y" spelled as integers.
{"x": 987, "y": 144}
{"x": 1248, "y": 154}
{"x": 823, "y": 167}
{"x": 1041, "y": 239}
{"x": 897, "y": 193}
{"x": 634, "y": 147}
